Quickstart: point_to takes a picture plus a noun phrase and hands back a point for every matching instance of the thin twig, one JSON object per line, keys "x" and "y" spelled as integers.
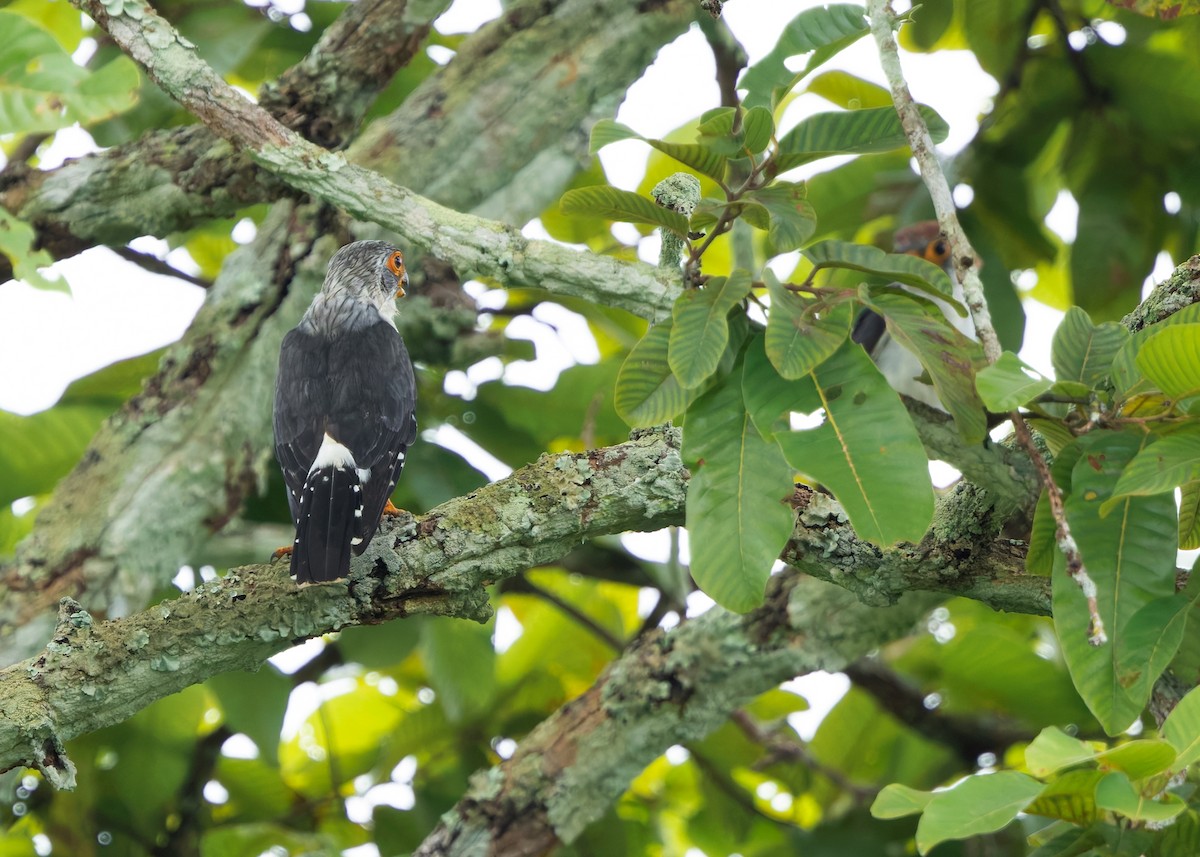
{"x": 571, "y": 610}
{"x": 155, "y": 265}
{"x": 965, "y": 265}
{"x": 1062, "y": 532}
{"x": 780, "y": 748}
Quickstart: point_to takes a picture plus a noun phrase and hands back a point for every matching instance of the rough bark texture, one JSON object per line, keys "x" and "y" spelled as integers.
{"x": 86, "y": 543}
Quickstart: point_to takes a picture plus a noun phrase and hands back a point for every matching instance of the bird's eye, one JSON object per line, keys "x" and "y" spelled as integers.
{"x": 395, "y": 263}
{"x": 938, "y": 251}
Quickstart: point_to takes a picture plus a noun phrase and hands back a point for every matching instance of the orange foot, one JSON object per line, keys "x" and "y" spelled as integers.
{"x": 281, "y": 552}
{"x": 391, "y": 511}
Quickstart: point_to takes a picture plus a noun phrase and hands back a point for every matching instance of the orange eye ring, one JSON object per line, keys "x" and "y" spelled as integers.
{"x": 395, "y": 263}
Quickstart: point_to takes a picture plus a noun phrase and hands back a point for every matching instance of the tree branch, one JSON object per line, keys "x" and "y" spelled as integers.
{"x": 474, "y": 246}
{"x": 666, "y": 689}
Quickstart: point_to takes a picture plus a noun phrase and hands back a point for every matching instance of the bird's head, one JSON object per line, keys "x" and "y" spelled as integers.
{"x": 369, "y": 271}
{"x": 925, "y": 240}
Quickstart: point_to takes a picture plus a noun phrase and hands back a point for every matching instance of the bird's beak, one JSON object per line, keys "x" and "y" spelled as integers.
{"x": 401, "y": 284}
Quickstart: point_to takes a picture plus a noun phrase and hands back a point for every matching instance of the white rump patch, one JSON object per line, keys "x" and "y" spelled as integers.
{"x": 331, "y": 454}
{"x": 364, "y": 476}
{"x": 356, "y": 541}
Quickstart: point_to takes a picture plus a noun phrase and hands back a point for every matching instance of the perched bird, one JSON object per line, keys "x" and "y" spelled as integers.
{"x": 901, "y": 368}
{"x": 344, "y": 402}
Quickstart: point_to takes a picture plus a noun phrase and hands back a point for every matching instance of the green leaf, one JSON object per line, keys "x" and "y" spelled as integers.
{"x": 1039, "y": 559}
{"x": 758, "y": 127}
{"x": 1083, "y": 351}
{"x": 700, "y": 331}
{"x": 866, "y": 451}
{"x": 1182, "y": 729}
{"x": 42, "y": 89}
{"x": 622, "y": 205}
{"x": 1127, "y": 378}
{"x": 1117, "y": 794}
{"x": 901, "y": 267}
{"x": 766, "y": 395}
{"x": 848, "y": 91}
{"x": 897, "y": 801}
{"x": 1007, "y": 384}
{"x": 1189, "y": 516}
{"x": 791, "y": 218}
{"x": 948, "y": 355}
{"x": 1163, "y": 465}
{"x": 1126, "y": 557}
{"x": 16, "y": 242}
{"x": 461, "y": 664}
{"x": 698, "y": 157}
{"x": 254, "y": 703}
{"x": 1139, "y": 759}
{"x": 1071, "y": 797}
{"x": 834, "y": 26}
{"x": 977, "y": 805}
{"x": 1053, "y": 750}
{"x": 738, "y": 514}
{"x": 1170, "y": 359}
{"x": 648, "y": 393}
{"x": 798, "y": 338}
{"x": 851, "y": 132}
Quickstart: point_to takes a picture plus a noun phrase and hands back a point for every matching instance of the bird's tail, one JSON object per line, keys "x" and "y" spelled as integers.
{"x": 330, "y": 506}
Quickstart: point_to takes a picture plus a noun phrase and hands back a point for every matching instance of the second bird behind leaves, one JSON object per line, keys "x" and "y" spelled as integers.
{"x": 345, "y": 399}
{"x": 901, "y": 368}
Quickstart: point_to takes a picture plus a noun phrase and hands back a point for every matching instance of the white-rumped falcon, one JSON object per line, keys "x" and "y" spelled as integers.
{"x": 344, "y": 402}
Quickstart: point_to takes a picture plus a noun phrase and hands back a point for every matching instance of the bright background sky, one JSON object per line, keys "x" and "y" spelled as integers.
{"x": 116, "y": 310}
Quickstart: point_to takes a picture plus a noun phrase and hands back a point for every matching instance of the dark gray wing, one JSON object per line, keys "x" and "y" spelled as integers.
{"x": 869, "y": 328}
{"x": 299, "y": 417}
{"x": 371, "y": 412}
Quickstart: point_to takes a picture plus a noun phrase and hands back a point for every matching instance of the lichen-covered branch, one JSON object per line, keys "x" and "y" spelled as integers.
{"x": 95, "y": 673}
{"x": 667, "y": 689}
{"x": 168, "y": 181}
{"x": 474, "y": 246}
{"x": 519, "y": 116}
{"x": 442, "y": 562}
{"x": 91, "y": 541}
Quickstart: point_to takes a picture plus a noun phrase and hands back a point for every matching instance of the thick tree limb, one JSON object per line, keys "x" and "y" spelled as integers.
{"x": 517, "y": 125}
{"x": 668, "y": 689}
{"x": 167, "y": 181}
{"x": 86, "y": 542}
{"x": 96, "y": 673}
{"x": 474, "y": 246}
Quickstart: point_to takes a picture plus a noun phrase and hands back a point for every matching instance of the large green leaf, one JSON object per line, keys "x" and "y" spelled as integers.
{"x": 948, "y": 355}
{"x": 848, "y": 91}
{"x": 897, "y": 801}
{"x": 648, "y": 393}
{"x": 1163, "y": 465}
{"x": 1007, "y": 384}
{"x": 767, "y": 396}
{"x": 1053, "y": 750}
{"x": 37, "y": 450}
{"x": 977, "y": 805}
{"x": 799, "y": 337}
{"x": 622, "y": 205}
{"x": 851, "y": 132}
{"x": 700, "y": 158}
{"x": 1126, "y": 375}
{"x": 700, "y": 330}
{"x": 738, "y": 514}
{"x": 1189, "y": 516}
{"x": 1117, "y": 794}
{"x": 1170, "y": 359}
{"x": 1083, "y": 351}
{"x": 42, "y": 89}
{"x": 790, "y": 219}
{"x": 1130, "y": 557}
{"x": 461, "y": 664}
{"x": 823, "y": 30}
{"x": 866, "y": 450}
{"x": 1182, "y": 729}
{"x": 901, "y": 267}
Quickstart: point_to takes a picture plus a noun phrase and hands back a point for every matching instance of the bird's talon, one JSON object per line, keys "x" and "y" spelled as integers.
{"x": 391, "y": 511}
